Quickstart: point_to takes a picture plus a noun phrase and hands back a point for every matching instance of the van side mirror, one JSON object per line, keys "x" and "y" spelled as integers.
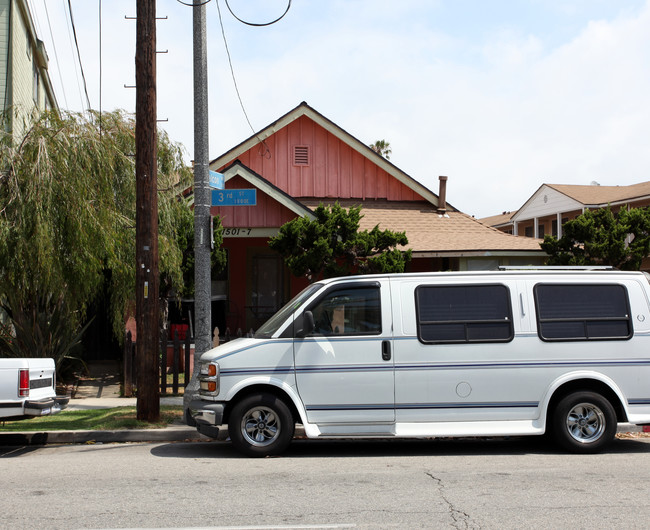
{"x": 307, "y": 324}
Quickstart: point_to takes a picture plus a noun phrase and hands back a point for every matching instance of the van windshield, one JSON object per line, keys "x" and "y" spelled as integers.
{"x": 273, "y": 324}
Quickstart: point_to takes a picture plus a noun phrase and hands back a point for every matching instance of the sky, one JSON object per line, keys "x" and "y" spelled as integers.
{"x": 501, "y": 96}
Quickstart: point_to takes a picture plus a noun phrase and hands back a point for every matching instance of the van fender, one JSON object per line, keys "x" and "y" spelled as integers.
{"x": 575, "y": 376}
{"x": 283, "y": 385}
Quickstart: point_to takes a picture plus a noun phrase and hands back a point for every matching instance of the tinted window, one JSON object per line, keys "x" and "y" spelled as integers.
{"x": 464, "y": 313}
{"x": 348, "y": 311}
{"x": 582, "y": 312}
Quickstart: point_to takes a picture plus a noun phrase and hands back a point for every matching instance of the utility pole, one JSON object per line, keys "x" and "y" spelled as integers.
{"x": 202, "y": 203}
{"x": 146, "y": 232}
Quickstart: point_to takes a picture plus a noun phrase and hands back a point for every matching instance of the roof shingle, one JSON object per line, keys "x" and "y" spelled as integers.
{"x": 427, "y": 231}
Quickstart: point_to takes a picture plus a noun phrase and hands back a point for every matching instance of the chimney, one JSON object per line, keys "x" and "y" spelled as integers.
{"x": 442, "y": 196}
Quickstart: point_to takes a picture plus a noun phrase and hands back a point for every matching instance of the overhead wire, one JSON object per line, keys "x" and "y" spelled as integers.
{"x": 192, "y": 4}
{"x": 76, "y": 42}
{"x": 56, "y": 55}
{"x": 100, "y": 68}
{"x": 259, "y": 24}
{"x": 75, "y": 65}
{"x": 267, "y": 151}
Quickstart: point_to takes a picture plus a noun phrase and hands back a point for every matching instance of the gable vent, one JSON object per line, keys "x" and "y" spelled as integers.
{"x": 301, "y": 155}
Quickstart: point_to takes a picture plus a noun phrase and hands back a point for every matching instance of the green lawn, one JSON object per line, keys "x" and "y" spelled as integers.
{"x": 94, "y": 420}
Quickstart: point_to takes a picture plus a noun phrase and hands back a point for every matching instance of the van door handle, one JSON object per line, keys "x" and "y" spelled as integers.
{"x": 385, "y": 350}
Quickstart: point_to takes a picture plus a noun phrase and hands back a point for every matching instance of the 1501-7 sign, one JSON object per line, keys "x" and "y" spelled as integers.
{"x": 250, "y": 232}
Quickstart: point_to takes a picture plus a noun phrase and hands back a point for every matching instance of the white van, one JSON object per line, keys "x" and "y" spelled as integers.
{"x": 509, "y": 352}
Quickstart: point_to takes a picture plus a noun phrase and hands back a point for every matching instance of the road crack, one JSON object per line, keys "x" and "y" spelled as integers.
{"x": 459, "y": 518}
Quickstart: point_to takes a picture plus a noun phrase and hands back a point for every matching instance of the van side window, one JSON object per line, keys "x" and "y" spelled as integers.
{"x": 463, "y": 313}
{"x": 582, "y": 312}
{"x": 349, "y": 311}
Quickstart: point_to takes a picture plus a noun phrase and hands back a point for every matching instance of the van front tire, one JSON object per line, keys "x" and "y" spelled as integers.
{"x": 584, "y": 422}
{"x": 261, "y": 425}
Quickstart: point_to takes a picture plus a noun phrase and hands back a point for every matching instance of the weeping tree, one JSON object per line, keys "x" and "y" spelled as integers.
{"x": 67, "y": 216}
{"x": 332, "y": 245}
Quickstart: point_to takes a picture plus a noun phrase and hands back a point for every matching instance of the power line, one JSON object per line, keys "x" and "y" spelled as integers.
{"x": 75, "y": 66}
{"x": 56, "y": 56}
{"x": 258, "y": 24}
{"x": 100, "y": 67}
{"x": 234, "y": 80}
{"x": 76, "y": 42}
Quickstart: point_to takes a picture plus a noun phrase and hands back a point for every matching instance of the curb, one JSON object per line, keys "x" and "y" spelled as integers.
{"x": 170, "y": 434}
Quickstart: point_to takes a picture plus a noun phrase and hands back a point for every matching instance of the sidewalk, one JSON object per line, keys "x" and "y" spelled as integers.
{"x": 101, "y": 390}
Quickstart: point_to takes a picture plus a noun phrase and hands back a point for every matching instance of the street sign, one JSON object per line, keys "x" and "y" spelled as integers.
{"x": 216, "y": 180}
{"x": 234, "y": 197}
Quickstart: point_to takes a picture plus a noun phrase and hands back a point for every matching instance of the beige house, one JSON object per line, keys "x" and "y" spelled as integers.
{"x": 552, "y": 205}
{"x": 24, "y": 79}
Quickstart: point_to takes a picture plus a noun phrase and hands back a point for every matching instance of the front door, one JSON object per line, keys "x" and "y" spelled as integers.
{"x": 344, "y": 369}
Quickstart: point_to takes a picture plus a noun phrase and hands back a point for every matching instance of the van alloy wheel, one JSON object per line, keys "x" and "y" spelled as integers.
{"x": 261, "y": 425}
{"x": 585, "y": 422}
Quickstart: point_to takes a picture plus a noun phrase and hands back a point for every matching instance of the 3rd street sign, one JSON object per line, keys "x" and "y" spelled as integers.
{"x": 234, "y": 197}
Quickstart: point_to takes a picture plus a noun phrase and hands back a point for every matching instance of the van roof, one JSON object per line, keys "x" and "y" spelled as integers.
{"x": 503, "y": 271}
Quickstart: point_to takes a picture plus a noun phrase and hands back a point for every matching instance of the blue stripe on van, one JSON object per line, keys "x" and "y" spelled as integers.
{"x": 639, "y": 401}
{"x": 319, "y": 369}
{"x": 424, "y": 406}
{"x": 471, "y": 405}
{"x": 524, "y": 364}
{"x": 278, "y": 370}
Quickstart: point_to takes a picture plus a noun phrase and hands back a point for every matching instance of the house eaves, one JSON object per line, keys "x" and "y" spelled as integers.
{"x": 305, "y": 110}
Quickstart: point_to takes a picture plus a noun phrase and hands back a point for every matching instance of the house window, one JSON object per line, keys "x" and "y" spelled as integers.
{"x": 582, "y": 312}
{"x": 463, "y": 313}
{"x": 554, "y": 227}
{"x": 528, "y": 231}
{"x": 301, "y": 155}
{"x": 540, "y": 231}
{"x": 35, "y": 87}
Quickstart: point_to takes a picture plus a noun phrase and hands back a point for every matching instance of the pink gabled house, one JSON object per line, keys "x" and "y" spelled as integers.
{"x": 303, "y": 159}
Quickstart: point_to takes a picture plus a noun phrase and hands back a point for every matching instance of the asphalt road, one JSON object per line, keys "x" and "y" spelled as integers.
{"x": 508, "y": 483}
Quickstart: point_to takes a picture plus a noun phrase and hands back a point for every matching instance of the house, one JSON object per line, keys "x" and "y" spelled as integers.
{"x": 552, "y": 205}
{"x": 24, "y": 79}
{"x": 304, "y": 159}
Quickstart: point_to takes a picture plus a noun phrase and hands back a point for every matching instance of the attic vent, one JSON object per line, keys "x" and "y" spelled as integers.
{"x": 301, "y": 155}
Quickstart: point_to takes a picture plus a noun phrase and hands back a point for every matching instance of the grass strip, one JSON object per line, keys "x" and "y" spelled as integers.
{"x": 118, "y": 418}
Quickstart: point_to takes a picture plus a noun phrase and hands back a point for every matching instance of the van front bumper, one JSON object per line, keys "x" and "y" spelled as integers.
{"x": 208, "y": 416}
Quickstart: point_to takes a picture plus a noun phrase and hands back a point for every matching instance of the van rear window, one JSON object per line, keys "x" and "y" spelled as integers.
{"x": 463, "y": 313}
{"x": 568, "y": 312}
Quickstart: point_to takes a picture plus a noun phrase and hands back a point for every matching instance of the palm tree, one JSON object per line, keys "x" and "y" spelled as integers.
{"x": 382, "y": 147}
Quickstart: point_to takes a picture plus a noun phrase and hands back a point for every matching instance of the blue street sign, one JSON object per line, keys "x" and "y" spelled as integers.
{"x": 234, "y": 197}
{"x": 216, "y": 180}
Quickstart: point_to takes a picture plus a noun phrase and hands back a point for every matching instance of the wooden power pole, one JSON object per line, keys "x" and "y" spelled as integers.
{"x": 146, "y": 235}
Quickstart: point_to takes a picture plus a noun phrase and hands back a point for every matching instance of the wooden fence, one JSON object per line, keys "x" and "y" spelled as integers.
{"x": 175, "y": 362}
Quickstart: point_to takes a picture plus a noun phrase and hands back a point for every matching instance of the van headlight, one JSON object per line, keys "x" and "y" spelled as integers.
{"x": 209, "y": 378}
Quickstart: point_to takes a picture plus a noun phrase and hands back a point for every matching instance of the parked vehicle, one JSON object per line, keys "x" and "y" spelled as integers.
{"x": 509, "y": 352}
{"x": 28, "y": 388}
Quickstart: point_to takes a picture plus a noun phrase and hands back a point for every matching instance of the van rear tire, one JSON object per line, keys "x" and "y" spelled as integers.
{"x": 584, "y": 422}
{"x": 261, "y": 425}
